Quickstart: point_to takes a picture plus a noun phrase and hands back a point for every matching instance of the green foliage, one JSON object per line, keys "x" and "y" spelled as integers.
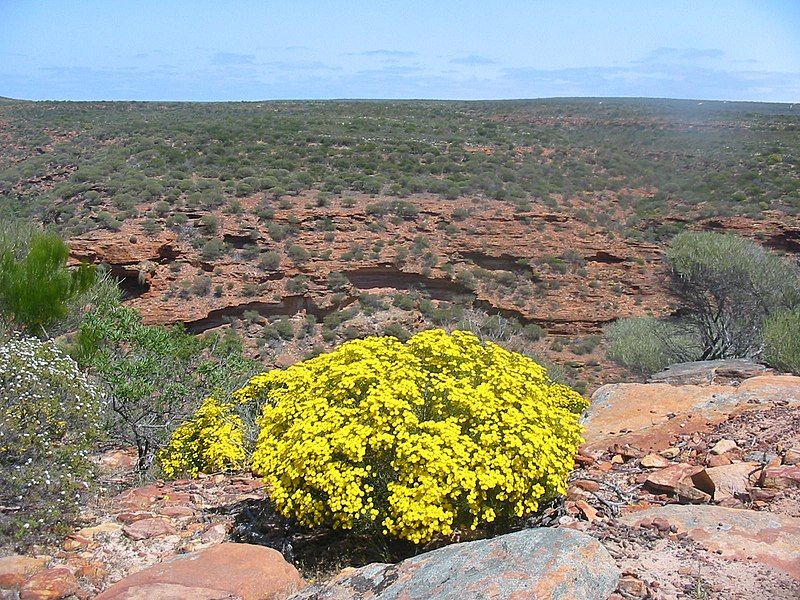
{"x": 36, "y": 287}
{"x": 782, "y": 341}
{"x": 143, "y": 152}
{"x": 49, "y": 421}
{"x": 213, "y": 249}
{"x": 726, "y": 287}
{"x": 270, "y": 261}
{"x": 297, "y": 284}
{"x": 155, "y": 376}
{"x": 647, "y": 345}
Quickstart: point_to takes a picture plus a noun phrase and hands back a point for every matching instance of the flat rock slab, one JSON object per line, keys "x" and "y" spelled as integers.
{"x": 243, "y": 571}
{"x": 557, "y": 564}
{"x": 765, "y": 537}
{"x": 15, "y": 569}
{"x": 709, "y": 371}
{"x": 50, "y": 584}
{"x": 649, "y": 416}
{"x": 173, "y": 591}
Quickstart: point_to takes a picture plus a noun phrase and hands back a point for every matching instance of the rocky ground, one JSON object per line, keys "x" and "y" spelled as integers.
{"x": 687, "y": 487}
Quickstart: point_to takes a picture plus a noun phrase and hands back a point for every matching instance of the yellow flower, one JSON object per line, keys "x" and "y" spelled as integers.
{"x": 422, "y": 438}
{"x": 211, "y": 441}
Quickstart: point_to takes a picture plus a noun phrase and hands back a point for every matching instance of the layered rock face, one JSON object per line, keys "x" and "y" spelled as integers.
{"x": 624, "y": 274}
{"x": 599, "y": 278}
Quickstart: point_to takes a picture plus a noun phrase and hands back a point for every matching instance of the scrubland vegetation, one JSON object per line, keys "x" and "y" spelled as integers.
{"x": 735, "y": 300}
{"x": 388, "y": 383}
{"x": 92, "y": 165}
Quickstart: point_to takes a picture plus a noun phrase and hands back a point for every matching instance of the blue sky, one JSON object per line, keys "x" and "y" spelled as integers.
{"x": 248, "y": 50}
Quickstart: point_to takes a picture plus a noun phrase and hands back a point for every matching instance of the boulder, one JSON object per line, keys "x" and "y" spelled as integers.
{"x": 709, "y": 371}
{"x": 768, "y": 538}
{"x": 15, "y": 569}
{"x": 731, "y": 480}
{"x": 174, "y": 591}
{"x": 780, "y": 477}
{"x": 723, "y": 446}
{"x": 228, "y": 570}
{"x": 144, "y": 529}
{"x": 50, "y": 584}
{"x": 688, "y": 483}
{"x": 558, "y": 564}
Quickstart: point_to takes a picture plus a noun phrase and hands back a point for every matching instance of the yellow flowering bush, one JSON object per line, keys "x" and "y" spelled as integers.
{"x": 211, "y": 440}
{"x": 418, "y": 438}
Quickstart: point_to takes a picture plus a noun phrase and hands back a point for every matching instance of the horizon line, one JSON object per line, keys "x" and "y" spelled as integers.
{"x": 419, "y": 99}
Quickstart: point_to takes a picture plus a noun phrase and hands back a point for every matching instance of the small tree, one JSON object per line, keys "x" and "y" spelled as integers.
{"x": 36, "y": 287}
{"x": 726, "y": 287}
{"x": 155, "y": 376}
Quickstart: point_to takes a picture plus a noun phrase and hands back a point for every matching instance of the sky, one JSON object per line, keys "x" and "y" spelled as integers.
{"x": 445, "y": 49}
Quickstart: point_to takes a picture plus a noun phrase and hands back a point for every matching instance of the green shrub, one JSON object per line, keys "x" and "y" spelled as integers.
{"x": 417, "y": 440}
{"x": 297, "y": 284}
{"x": 213, "y": 249}
{"x": 533, "y": 332}
{"x": 782, "y": 341}
{"x": 726, "y": 287}
{"x": 210, "y": 224}
{"x": 397, "y": 330}
{"x": 647, "y": 345}
{"x": 36, "y": 287}
{"x": 338, "y": 281}
{"x": 49, "y": 420}
{"x": 270, "y": 261}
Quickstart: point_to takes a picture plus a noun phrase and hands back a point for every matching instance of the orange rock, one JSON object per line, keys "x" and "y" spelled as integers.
{"x": 668, "y": 479}
{"x": 138, "y": 499}
{"x": 106, "y": 529}
{"x": 15, "y": 569}
{"x": 730, "y": 480}
{"x": 626, "y": 451}
{"x": 128, "y": 517}
{"x": 587, "y": 509}
{"x": 714, "y": 460}
{"x": 792, "y": 456}
{"x": 632, "y": 587}
{"x": 765, "y": 537}
{"x": 74, "y": 542}
{"x": 780, "y": 477}
{"x": 584, "y": 484}
{"x": 670, "y": 452}
{"x": 650, "y": 416}
{"x": 50, "y": 584}
{"x": 148, "y": 528}
{"x": 723, "y": 446}
{"x": 117, "y": 461}
{"x": 245, "y": 571}
{"x": 654, "y": 461}
{"x": 691, "y": 495}
{"x": 176, "y": 511}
